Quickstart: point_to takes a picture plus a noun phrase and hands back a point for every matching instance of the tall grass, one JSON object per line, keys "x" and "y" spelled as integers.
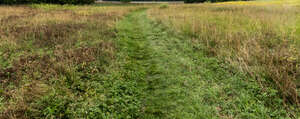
{"x": 43, "y": 51}
{"x": 259, "y": 38}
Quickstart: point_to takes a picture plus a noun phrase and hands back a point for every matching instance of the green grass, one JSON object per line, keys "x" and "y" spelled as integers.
{"x": 58, "y": 67}
{"x": 137, "y": 68}
{"x": 242, "y": 35}
{"x": 298, "y": 33}
{"x": 177, "y": 80}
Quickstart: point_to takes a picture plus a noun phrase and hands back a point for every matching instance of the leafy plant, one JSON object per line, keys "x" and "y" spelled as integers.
{"x": 53, "y": 106}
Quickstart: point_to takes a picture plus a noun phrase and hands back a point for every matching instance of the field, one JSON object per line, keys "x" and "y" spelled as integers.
{"x": 258, "y": 38}
{"x": 150, "y": 61}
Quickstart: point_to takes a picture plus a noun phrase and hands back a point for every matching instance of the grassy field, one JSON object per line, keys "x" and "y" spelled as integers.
{"x": 260, "y": 38}
{"x": 50, "y": 53}
{"x": 147, "y": 61}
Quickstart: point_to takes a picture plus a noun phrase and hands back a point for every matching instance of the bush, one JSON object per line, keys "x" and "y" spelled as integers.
{"x": 194, "y": 1}
{"x": 125, "y": 1}
{"x": 163, "y": 6}
{"x": 47, "y": 1}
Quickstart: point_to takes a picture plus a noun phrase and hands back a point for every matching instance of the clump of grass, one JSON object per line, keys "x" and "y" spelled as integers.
{"x": 163, "y": 6}
{"x": 243, "y": 36}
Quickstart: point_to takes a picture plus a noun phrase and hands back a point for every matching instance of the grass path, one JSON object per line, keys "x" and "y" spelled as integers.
{"x": 177, "y": 81}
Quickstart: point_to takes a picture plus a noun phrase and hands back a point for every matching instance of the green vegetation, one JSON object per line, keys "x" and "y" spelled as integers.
{"x": 163, "y": 6}
{"x": 47, "y": 1}
{"x": 202, "y": 1}
{"x": 125, "y": 1}
{"x": 142, "y": 62}
{"x": 243, "y": 35}
{"x": 55, "y": 62}
{"x": 177, "y": 79}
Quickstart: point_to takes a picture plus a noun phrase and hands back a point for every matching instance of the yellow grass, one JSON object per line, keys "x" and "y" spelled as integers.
{"x": 260, "y": 38}
{"x": 263, "y": 2}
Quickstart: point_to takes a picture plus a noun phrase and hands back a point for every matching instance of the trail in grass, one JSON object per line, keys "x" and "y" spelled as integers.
{"x": 177, "y": 81}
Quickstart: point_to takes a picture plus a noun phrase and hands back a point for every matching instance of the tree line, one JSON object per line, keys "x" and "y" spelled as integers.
{"x": 47, "y": 1}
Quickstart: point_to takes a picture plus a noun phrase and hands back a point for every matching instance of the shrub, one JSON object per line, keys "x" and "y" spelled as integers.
{"x": 7, "y": 1}
{"x": 47, "y": 1}
{"x": 125, "y": 1}
{"x": 85, "y": 1}
{"x": 194, "y": 1}
{"x": 163, "y": 6}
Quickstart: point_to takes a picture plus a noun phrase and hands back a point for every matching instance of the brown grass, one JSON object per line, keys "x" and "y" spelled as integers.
{"x": 259, "y": 39}
{"x": 40, "y": 45}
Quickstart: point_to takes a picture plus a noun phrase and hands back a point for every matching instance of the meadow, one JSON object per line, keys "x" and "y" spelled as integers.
{"x": 150, "y": 61}
{"x": 46, "y": 48}
{"x": 260, "y": 38}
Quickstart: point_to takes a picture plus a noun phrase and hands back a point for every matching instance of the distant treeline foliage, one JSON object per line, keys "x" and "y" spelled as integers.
{"x": 185, "y": 1}
{"x": 144, "y": 0}
{"x": 201, "y": 1}
{"x": 47, "y": 1}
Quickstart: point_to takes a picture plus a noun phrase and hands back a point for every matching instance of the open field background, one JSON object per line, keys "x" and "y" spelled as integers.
{"x": 147, "y": 61}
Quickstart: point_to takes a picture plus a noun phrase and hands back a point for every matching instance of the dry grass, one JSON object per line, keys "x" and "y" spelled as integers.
{"x": 48, "y": 48}
{"x": 259, "y": 38}
{"x": 264, "y": 2}
{"x": 40, "y": 43}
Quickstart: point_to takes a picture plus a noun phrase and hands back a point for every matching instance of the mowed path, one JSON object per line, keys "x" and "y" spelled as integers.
{"x": 178, "y": 81}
